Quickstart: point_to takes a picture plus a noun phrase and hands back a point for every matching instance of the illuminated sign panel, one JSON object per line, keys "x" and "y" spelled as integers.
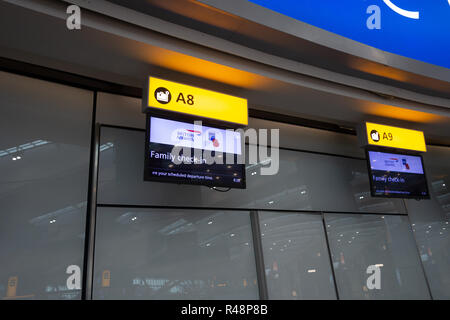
{"x": 416, "y": 29}
{"x": 394, "y": 137}
{"x": 202, "y": 103}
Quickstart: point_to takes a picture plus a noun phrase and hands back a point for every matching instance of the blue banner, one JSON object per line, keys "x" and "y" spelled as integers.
{"x": 417, "y": 29}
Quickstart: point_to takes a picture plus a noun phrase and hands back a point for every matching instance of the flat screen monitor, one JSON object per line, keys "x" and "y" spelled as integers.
{"x": 397, "y": 175}
{"x": 196, "y": 147}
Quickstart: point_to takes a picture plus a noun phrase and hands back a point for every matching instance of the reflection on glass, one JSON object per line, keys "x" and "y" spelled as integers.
{"x": 106, "y": 146}
{"x": 386, "y": 242}
{"x": 174, "y": 254}
{"x": 42, "y": 225}
{"x": 296, "y": 257}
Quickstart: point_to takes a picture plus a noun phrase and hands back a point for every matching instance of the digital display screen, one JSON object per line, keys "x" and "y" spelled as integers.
{"x": 397, "y": 175}
{"x": 185, "y": 152}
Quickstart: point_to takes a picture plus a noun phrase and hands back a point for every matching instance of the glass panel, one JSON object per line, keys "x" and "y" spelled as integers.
{"x": 174, "y": 254}
{"x": 305, "y": 181}
{"x": 44, "y": 162}
{"x": 119, "y": 110}
{"x": 296, "y": 256}
{"x": 386, "y": 242}
{"x": 430, "y": 222}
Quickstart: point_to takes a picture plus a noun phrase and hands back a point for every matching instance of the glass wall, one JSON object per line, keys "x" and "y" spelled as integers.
{"x": 305, "y": 181}
{"x": 296, "y": 258}
{"x": 430, "y": 222}
{"x": 174, "y": 254}
{"x": 44, "y": 162}
{"x": 205, "y": 250}
{"x": 361, "y": 243}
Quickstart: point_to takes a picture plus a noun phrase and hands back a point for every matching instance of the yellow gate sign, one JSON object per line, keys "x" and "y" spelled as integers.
{"x": 202, "y": 103}
{"x": 394, "y": 137}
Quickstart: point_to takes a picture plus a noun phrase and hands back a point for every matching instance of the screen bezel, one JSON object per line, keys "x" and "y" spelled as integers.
{"x": 243, "y": 184}
{"x": 369, "y": 169}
